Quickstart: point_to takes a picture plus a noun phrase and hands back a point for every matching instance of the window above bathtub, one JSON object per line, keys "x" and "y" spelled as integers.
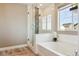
{"x": 46, "y": 23}
{"x": 68, "y": 18}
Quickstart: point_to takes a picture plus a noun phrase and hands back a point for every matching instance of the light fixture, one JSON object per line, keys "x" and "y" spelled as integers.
{"x": 40, "y": 4}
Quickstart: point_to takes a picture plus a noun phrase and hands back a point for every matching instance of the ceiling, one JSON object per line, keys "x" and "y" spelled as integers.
{"x": 44, "y": 5}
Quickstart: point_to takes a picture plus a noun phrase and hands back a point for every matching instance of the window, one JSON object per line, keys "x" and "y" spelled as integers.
{"x": 46, "y": 23}
{"x": 67, "y": 18}
{"x": 49, "y": 22}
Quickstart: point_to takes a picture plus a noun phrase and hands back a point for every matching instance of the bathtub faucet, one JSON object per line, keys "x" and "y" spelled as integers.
{"x": 76, "y": 52}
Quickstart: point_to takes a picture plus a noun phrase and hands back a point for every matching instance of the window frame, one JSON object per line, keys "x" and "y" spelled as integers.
{"x": 47, "y": 24}
{"x": 58, "y": 17}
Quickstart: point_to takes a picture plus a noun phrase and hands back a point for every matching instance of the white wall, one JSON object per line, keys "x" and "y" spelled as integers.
{"x": 13, "y": 24}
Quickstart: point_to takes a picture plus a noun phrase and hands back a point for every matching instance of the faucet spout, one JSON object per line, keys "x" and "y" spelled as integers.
{"x": 76, "y": 52}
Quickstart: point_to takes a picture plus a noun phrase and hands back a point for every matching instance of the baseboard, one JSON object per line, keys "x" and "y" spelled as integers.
{"x": 33, "y": 49}
{"x": 12, "y": 47}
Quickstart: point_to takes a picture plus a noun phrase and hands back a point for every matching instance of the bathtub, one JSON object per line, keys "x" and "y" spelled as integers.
{"x": 56, "y": 49}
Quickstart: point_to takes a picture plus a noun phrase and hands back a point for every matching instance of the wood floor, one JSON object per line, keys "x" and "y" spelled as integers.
{"x": 24, "y": 51}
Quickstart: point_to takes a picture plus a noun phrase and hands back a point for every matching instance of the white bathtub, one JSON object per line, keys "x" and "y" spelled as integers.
{"x": 56, "y": 49}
